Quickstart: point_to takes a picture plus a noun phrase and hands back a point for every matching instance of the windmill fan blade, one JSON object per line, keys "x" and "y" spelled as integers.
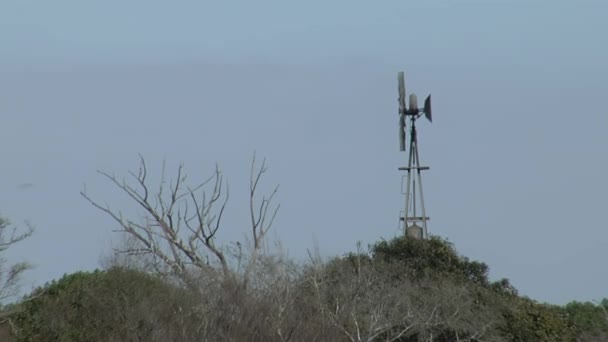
{"x": 427, "y": 108}
{"x": 401, "y": 86}
{"x": 402, "y": 132}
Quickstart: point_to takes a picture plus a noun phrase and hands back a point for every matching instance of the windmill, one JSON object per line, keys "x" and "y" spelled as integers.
{"x": 414, "y": 223}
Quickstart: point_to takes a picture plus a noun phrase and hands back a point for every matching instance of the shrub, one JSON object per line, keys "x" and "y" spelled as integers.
{"x": 113, "y": 305}
{"x": 433, "y": 257}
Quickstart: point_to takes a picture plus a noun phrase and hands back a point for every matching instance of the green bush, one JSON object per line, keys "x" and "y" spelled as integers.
{"x": 590, "y": 320}
{"x": 528, "y": 321}
{"x": 522, "y": 319}
{"x": 433, "y": 257}
{"x": 113, "y": 305}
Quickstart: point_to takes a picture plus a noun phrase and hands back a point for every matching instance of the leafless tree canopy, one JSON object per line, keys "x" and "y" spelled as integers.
{"x": 368, "y": 301}
{"x": 181, "y": 221}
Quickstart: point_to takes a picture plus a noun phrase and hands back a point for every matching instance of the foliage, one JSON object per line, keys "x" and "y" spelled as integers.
{"x": 113, "y": 305}
{"x": 504, "y": 287}
{"x": 590, "y": 319}
{"x": 534, "y": 322}
{"x": 437, "y": 259}
{"x": 403, "y": 290}
{"x": 434, "y": 257}
{"x": 129, "y": 305}
{"x": 380, "y": 296}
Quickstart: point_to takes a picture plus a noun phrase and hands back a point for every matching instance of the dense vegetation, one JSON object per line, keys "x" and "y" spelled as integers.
{"x": 170, "y": 280}
{"x": 399, "y": 290}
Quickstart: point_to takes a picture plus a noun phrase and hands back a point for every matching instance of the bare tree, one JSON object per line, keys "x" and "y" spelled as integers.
{"x": 359, "y": 302}
{"x": 11, "y": 274}
{"x": 368, "y": 300}
{"x": 181, "y": 221}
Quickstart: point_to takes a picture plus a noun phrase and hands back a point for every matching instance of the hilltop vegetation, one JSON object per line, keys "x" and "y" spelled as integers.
{"x": 399, "y": 290}
{"x": 172, "y": 281}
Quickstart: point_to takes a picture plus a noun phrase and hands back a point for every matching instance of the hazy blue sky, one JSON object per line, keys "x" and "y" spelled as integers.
{"x": 517, "y": 149}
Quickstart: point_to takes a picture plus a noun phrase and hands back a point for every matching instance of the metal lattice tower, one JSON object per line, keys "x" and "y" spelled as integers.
{"x": 414, "y": 214}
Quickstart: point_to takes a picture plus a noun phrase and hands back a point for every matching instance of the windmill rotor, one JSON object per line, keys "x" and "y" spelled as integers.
{"x": 412, "y": 110}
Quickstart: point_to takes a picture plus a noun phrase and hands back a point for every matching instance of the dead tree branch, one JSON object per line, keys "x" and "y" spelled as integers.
{"x": 262, "y": 215}
{"x": 11, "y": 274}
{"x": 181, "y": 221}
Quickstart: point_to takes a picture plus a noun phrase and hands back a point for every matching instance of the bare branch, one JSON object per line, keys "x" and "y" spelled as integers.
{"x": 199, "y": 208}
{"x": 11, "y": 274}
{"x": 260, "y": 223}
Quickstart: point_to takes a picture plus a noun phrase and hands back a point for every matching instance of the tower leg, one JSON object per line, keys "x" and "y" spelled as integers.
{"x": 426, "y": 233}
{"x": 407, "y": 192}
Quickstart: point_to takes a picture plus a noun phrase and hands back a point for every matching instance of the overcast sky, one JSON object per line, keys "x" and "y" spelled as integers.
{"x": 517, "y": 148}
